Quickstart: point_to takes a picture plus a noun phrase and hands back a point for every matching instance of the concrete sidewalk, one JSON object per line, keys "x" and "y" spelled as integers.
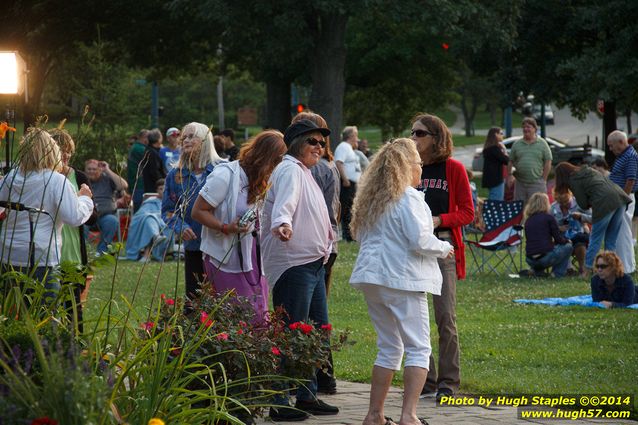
{"x": 352, "y": 399}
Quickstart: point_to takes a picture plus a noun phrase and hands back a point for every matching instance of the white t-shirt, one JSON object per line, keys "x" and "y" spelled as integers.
{"x": 345, "y": 154}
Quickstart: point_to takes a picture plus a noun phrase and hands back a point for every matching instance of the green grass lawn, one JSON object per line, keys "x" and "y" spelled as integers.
{"x": 506, "y": 348}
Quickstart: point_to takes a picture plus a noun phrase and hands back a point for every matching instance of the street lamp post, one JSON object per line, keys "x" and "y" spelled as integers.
{"x": 13, "y": 72}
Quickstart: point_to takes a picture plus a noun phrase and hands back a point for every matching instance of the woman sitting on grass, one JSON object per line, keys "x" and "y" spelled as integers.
{"x": 396, "y": 267}
{"x": 611, "y": 286}
{"x": 546, "y": 246}
{"x": 148, "y": 236}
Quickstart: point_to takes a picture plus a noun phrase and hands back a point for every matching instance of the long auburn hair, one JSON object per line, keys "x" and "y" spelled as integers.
{"x": 491, "y": 138}
{"x": 258, "y": 157}
{"x": 383, "y": 183}
{"x": 443, "y": 145}
{"x": 563, "y": 171}
{"x": 321, "y": 122}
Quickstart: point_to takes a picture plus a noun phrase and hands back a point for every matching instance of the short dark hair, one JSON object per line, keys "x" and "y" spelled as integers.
{"x": 160, "y": 182}
{"x": 228, "y": 132}
{"x": 154, "y": 136}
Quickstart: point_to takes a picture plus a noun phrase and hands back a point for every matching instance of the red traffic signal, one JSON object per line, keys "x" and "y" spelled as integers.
{"x": 300, "y": 107}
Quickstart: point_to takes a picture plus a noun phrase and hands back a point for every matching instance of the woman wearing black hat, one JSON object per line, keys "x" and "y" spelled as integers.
{"x": 297, "y": 239}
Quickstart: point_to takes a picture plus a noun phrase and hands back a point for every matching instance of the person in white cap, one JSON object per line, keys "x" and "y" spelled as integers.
{"x": 170, "y": 153}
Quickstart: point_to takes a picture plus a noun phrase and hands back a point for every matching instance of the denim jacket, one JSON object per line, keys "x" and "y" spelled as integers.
{"x": 180, "y": 192}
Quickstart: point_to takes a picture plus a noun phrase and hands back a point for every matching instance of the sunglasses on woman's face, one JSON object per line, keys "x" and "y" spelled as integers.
{"x": 421, "y": 133}
{"x": 315, "y": 142}
{"x": 602, "y": 266}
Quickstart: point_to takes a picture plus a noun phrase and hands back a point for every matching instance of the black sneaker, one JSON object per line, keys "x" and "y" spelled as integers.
{"x": 287, "y": 414}
{"x": 443, "y": 392}
{"x": 326, "y": 384}
{"x": 316, "y": 407}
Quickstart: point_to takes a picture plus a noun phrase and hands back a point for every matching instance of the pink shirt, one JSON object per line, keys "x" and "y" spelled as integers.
{"x": 294, "y": 198}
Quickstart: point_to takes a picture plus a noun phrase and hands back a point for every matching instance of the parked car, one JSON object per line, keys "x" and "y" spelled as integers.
{"x": 549, "y": 114}
{"x": 560, "y": 152}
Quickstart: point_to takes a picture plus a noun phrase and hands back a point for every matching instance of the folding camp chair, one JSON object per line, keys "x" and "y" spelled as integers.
{"x": 495, "y": 250}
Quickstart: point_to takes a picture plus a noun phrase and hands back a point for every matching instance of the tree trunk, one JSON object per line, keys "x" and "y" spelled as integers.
{"x": 328, "y": 70}
{"x": 609, "y": 125}
{"x": 277, "y": 104}
{"x": 468, "y": 115}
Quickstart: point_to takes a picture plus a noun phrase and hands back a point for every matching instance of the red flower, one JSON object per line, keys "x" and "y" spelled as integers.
{"x": 170, "y": 301}
{"x": 242, "y": 324}
{"x": 44, "y": 421}
{"x": 294, "y": 326}
{"x": 305, "y": 328}
{"x": 147, "y": 326}
{"x": 222, "y": 336}
{"x": 240, "y": 331}
{"x": 163, "y": 296}
{"x": 275, "y": 351}
{"x": 327, "y": 327}
{"x": 445, "y": 46}
{"x": 203, "y": 317}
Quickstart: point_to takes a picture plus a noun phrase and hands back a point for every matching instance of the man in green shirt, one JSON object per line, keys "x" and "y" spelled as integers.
{"x": 532, "y": 158}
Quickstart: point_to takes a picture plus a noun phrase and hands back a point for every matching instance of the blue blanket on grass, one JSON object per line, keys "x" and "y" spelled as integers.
{"x": 581, "y": 300}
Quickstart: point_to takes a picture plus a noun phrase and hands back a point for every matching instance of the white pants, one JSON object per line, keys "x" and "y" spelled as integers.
{"x": 625, "y": 241}
{"x": 402, "y": 323}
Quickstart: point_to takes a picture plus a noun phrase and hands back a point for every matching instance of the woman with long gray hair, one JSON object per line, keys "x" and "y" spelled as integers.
{"x": 183, "y": 184}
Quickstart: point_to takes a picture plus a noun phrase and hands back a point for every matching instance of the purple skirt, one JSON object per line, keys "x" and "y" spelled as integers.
{"x": 246, "y": 284}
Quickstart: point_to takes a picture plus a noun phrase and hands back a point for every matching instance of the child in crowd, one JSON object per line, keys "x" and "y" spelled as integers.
{"x": 571, "y": 220}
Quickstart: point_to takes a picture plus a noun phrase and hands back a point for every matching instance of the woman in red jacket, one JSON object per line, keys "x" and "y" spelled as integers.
{"x": 448, "y": 194}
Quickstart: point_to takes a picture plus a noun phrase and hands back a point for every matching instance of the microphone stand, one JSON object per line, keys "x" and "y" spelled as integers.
{"x": 32, "y": 219}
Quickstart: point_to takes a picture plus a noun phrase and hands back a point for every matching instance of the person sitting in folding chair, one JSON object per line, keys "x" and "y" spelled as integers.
{"x": 546, "y": 246}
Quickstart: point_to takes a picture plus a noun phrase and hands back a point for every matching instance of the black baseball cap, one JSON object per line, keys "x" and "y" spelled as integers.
{"x": 303, "y": 127}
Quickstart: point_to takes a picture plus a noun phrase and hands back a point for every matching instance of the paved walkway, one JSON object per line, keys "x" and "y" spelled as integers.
{"x": 352, "y": 399}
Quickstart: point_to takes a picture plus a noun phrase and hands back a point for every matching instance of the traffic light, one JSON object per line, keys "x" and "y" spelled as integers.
{"x": 300, "y": 107}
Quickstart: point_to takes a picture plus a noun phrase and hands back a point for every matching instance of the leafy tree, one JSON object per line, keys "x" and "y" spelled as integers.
{"x": 43, "y": 31}
{"x": 480, "y": 42}
{"x": 396, "y": 63}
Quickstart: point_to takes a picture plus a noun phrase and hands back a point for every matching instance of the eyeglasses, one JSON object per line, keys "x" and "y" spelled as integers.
{"x": 602, "y": 266}
{"x": 421, "y": 133}
{"x": 315, "y": 142}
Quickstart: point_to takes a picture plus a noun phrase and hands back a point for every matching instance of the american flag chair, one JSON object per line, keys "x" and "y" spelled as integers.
{"x": 497, "y": 248}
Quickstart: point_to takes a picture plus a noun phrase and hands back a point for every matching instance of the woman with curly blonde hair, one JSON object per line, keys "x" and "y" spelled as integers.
{"x": 611, "y": 286}
{"x": 396, "y": 266}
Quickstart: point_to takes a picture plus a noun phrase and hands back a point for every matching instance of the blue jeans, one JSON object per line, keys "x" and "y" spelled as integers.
{"x": 557, "y": 259}
{"x": 608, "y": 228}
{"x": 497, "y": 193}
{"x": 108, "y": 225}
{"x": 301, "y": 291}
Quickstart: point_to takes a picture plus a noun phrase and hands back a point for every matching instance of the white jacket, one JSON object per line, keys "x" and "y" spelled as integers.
{"x": 400, "y": 250}
{"x": 49, "y": 191}
{"x": 225, "y": 178}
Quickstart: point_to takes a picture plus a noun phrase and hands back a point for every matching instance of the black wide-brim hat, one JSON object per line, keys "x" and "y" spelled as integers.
{"x": 303, "y": 127}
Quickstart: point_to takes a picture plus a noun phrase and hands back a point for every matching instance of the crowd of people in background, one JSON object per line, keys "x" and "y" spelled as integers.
{"x": 264, "y": 219}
